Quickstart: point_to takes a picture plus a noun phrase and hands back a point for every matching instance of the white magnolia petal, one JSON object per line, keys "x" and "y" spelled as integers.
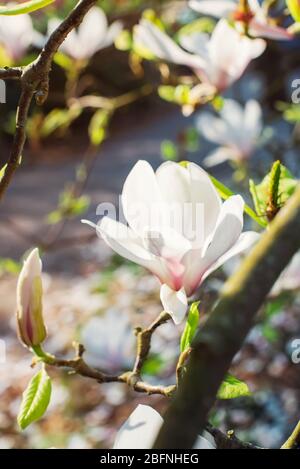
{"x": 140, "y": 429}
{"x": 162, "y": 46}
{"x": 167, "y": 243}
{"x": 228, "y": 229}
{"x": 142, "y": 201}
{"x": 204, "y": 442}
{"x": 268, "y": 31}
{"x": 17, "y": 34}
{"x": 113, "y": 31}
{"x": 196, "y": 43}
{"x": 255, "y": 7}
{"x": 230, "y": 53}
{"x": 253, "y": 123}
{"x": 233, "y": 114}
{"x": 213, "y": 128}
{"x": 204, "y": 193}
{"x": 245, "y": 241}
{"x": 174, "y": 302}
{"x": 194, "y": 203}
{"x": 122, "y": 240}
{"x": 93, "y": 29}
{"x": 216, "y": 8}
{"x": 126, "y": 243}
{"x": 220, "y": 155}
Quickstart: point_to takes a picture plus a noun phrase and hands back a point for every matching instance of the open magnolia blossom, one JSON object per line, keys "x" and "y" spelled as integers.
{"x": 236, "y": 131}
{"x": 92, "y": 35}
{"x": 259, "y": 24}
{"x": 178, "y": 228}
{"x": 218, "y": 60}
{"x": 141, "y": 429}
{"x": 16, "y": 35}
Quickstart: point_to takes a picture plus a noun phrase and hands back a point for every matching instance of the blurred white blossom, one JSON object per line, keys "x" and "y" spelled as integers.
{"x": 236, "y": 131}
{"x": 141, "y": 429}
{"x": 93, "y": 34}
{"x": 16, "y": 35}
{"x": 109, "y": 341}
{"x": 218, "y": 60}
{"x": 260, "y": 25}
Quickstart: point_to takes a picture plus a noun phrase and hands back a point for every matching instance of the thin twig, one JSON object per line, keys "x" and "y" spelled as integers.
{"x": 11, "y": 73}
{"x": 131, "y": 378}
{"x": 34, "y": 80}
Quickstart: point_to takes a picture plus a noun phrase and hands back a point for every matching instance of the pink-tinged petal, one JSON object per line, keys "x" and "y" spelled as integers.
{"x": 162, "y": 46}
{"x": 216, "y": 8}
{"x": 140, "y": 429}
{"x": 225, "y": 235}
{"x": 268, "y": 31}
{"x": 142, "y": 201}
{"x": 245, "y": 241}
{"x": 174, "y": 302}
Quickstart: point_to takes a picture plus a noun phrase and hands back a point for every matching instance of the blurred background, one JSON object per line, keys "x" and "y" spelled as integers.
{"x": 77, "y": 157}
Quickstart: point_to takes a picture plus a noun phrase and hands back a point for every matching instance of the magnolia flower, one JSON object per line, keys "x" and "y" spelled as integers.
{"x": 141, "y": 429}
{"x": 218, "y": 60}
{"x": 92, "y": 35}
{"x": 16, "y": 35}
{"x": 236, "y": 131}
{"x": 178, "y": 228}
{"x": 257, "y": 20}
{"x": 109, "y": 341}
{"x": 31, "y": 326}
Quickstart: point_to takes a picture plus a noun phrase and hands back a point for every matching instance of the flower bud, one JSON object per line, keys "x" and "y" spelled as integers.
{"x": 31, "y": 328}
{"x": 294, "y": 7}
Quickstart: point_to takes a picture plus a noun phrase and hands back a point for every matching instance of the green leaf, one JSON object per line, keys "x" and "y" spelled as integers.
{"x": 225, "y": 193}
{"x": 190, "y": 327}
{"x": 98, "y": 125}
{"x": 25, "y": 7}
{"x": 201, "y": 25}
{"x": 231, "y": 388}
{"x": 35, "y": 400}
{"x": 169, "y": 150}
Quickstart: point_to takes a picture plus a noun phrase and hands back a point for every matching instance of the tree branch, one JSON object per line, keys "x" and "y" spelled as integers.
{"x": 11, "y": 73}
{"x": 294, "y": 440}
{"x": 131, "y": 378}
{"x": 226, "y": 328}
{"x": 35, "y": 82}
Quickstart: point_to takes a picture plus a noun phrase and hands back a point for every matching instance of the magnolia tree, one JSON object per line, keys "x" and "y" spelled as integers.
{"x": 180, "y": 223}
